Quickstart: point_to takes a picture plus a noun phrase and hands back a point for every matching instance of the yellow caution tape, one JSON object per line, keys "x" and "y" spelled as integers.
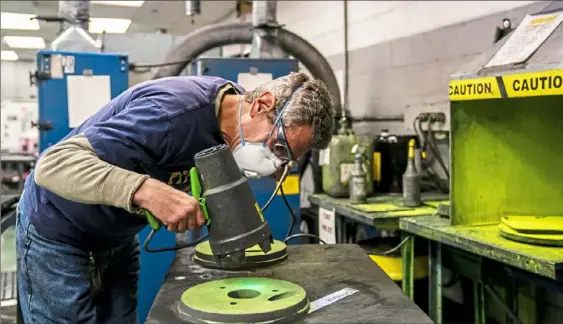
{"x": 546, "y": 83}
{"x": 473, "y": 89}
{"x": 290, "y": 186}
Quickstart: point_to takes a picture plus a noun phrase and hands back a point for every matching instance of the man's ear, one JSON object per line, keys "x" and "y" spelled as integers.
{"x": 265, "y": 103}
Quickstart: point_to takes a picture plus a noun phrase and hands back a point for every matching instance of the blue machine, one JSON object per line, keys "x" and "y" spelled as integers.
{"x": 60, "y": 77}
{"x": 277, "y": 214}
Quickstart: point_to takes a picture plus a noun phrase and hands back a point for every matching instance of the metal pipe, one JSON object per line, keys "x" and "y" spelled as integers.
{"x": 75, "y": 13}
{"x": 209, "y": 37}
{"x": 264, "y": 13}
{"x": 265, "y": 27}
{"x": 193, "y": 7}
{"x": 502, "y": 305}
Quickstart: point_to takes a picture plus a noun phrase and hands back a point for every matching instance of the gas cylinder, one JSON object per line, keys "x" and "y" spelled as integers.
{"x": 411, "y": 180}
{"x": 358, "y": 179}
{"x": 338, "y": 161}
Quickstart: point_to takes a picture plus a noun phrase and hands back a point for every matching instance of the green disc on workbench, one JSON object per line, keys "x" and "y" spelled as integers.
{"x": 244, "y": 300}
{"x": 255, "y": 257}
{"x": 533, "y": 230}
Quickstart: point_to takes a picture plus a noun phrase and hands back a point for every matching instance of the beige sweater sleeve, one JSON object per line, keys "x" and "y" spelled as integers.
{"x": 72, "y": 170}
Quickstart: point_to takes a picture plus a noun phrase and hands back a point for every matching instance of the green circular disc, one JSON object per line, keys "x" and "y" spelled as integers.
{"x": 536, "y": 239}
{"x": 244, "y": 300}
{"x": 255, "y": 257}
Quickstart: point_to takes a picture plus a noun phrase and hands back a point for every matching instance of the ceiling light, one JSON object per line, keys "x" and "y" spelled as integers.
{"x": 19, "y": 21}
{"x": 9, "y": 56}
{"x": 25, "y": 42}
{"x": 135, "y": 4}
{"x": 108, "y": 25}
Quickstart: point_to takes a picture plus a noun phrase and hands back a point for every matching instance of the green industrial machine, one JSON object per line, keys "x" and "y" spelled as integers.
{"x": 338, "y": 162}
{"x": 506, "y": 136}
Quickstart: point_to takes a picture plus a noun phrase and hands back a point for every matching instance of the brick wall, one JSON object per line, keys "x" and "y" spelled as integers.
{"x": 401, "y": 52}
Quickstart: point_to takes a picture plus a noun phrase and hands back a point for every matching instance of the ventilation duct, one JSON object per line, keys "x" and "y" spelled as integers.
{"x": 209, "y": 37}
{"x": 265, "y": 30}
{"x": 193, "y": 8}
{"x": 74, "y": 37}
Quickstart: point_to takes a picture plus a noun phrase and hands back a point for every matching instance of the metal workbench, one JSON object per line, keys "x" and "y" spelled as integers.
{"x": 475, "y": 245}
{"x": 320, "y": 270}
{"x": 377, "y": 214}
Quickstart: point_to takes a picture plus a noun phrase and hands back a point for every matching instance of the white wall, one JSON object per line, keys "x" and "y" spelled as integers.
{"x": 401, "y": 52}
{"x": 15, "y": 81}
{"x": 374, "y": 22}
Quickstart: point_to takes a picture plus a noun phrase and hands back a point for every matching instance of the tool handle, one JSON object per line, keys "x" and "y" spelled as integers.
{"x": 154, "y": 223}
{"x": 197, "y": 192}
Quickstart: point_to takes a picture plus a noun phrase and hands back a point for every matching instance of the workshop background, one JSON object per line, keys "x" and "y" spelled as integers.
{"x": 393, "y": 62}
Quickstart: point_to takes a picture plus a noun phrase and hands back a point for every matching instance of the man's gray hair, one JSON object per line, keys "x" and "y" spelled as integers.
{"x": 312, "y": 106}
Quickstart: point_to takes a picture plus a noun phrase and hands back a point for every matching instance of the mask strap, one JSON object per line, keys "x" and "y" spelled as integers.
{"x": 242, "y": 141}
{"x": 278, "y": 118}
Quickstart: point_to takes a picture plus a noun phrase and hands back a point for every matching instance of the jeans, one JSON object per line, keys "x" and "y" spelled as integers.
{"x": 59, "y": 283}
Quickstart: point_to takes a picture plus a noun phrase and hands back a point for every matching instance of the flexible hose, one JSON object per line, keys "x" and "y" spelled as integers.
{"x": 212, "y": 36}
{"x": 284, "y": 175}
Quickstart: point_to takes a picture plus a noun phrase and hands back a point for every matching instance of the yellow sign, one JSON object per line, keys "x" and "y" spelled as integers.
{"x": 473, "y": 89}
{"x": 547, "y": 83}
{"x": 290, "y": 186}
{"x": 259, "y": 212}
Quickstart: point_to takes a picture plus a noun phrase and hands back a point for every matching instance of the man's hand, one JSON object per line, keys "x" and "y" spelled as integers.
{"x": 174, "y": 208}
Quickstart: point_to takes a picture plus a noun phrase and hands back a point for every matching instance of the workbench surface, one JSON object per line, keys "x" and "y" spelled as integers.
{"x": 320, "y": 270}
{"x": 381, "y": 211}
{"x": 485, "y": 240}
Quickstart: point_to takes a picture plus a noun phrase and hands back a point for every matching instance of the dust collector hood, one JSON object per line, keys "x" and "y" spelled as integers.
{"x": 548, "y": 56}
{"x": 75, "y": 37}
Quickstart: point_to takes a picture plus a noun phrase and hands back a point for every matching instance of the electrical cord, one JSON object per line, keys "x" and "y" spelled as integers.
{"x": 172, "y": 248}
{"x": 393, "y": 250}
{"x": 289, "y": 238}
{"x": 284, "y": 175}
{"x": 279, "y": 188}
{"x": 434, "y": 149}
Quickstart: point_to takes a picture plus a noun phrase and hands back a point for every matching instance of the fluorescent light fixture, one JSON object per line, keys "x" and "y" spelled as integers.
{"x": 9, "y": 56}
{"x": 109, "y": 25}
{"x": 134, "y": 4}
{"x": 25, "y": 42}
{"x": 18, "y": 21}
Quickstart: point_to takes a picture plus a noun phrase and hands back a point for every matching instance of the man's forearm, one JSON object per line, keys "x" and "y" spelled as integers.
{"x": 72, "y": 170}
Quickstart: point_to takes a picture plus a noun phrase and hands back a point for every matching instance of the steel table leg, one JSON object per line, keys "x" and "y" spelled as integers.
{"x": 340, "y": 229}
{"x": 435, "y": 267}
{"x": 479, "y": 303}
{"x": 407, "y": 256}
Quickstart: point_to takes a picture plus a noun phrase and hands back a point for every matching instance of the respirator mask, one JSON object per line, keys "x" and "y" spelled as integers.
{"x": 255, "y": 159}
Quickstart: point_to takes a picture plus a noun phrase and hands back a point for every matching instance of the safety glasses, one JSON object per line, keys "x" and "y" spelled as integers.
{"x": 281, "y": 146}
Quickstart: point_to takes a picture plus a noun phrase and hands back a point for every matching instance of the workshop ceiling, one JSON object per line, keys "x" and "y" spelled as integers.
{"x": 150, "y": 17}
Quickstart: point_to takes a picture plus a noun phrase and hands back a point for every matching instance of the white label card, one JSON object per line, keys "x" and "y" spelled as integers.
{"x": 332, "y": 298}
{"x": 526, "y": 39}
{"x": 86, "y": 95}
{"x": 327, "y": 225}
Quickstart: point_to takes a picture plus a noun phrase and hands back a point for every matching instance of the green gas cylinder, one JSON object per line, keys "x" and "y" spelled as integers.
{"x": 338, "y": 162}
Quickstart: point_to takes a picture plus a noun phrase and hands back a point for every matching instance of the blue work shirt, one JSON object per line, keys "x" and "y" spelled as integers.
{"x": 154, "y": 128}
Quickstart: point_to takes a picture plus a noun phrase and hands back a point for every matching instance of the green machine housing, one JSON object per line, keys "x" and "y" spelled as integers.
{"x": 506, "y": 143}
